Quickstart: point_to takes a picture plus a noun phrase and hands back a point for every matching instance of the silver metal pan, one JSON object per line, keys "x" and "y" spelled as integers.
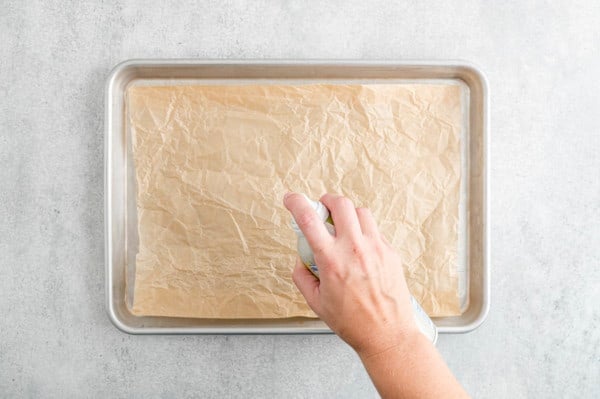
{"x": 120, "y": 207}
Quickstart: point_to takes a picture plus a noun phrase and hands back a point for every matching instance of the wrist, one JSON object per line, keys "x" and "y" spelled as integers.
{"x": 400, "y": 344}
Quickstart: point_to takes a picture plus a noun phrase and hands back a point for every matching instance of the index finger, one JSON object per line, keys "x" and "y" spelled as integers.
{"x": 308, "y": 221}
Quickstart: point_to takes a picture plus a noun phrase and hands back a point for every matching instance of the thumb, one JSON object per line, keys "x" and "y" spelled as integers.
{"x": 308, "y": 285}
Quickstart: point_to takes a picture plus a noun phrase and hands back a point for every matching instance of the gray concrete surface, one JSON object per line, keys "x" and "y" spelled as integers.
{"x": 543, "y": 62}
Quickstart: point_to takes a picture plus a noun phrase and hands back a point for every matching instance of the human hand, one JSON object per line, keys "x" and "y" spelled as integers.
{"x": 362, "y": 294}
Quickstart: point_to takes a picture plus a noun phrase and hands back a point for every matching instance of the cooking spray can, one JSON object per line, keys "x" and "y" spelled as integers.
{"x": 424, "y": 323}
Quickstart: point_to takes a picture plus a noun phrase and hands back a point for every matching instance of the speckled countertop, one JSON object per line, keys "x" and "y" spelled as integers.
{"x": 542, "y": 336}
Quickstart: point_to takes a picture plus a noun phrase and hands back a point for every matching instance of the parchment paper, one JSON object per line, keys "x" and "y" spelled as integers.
{"x": 212, "y": 164}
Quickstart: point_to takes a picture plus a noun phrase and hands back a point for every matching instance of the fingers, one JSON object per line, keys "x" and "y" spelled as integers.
{"x": 368, "y": 225}
{"x": 308, "y": 285}
{"x": 343, "y": 214}
{"x": 308, "y": 221}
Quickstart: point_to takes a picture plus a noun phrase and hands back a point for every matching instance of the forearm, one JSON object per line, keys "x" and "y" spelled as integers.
{"x": 412, "y": 369}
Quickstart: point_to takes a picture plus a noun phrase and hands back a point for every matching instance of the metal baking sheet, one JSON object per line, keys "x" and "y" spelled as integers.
{"x": 120, "y": 206}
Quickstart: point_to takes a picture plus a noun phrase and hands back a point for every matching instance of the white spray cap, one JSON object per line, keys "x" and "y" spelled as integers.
{"x": 321, "y": 210}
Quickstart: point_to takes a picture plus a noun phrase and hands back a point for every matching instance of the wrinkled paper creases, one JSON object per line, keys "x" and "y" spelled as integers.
{"x": 212, "y": 164}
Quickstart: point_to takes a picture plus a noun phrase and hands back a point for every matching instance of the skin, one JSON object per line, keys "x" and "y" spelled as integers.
{"x": 363, "y": 297}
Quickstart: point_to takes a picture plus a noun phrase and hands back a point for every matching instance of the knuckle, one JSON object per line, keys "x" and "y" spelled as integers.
{"x": 359, "y": 252}
{"x": 319, "y": 251}
{"x": 305, "y": 220}
{"x": 327, "y": 260}
{"x": 324, "y": 257}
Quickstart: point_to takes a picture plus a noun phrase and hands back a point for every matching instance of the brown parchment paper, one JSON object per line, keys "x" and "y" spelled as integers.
{"x": 212, "y": 164}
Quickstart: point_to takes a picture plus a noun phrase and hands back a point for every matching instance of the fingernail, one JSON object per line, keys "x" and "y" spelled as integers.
{"x": 286, "y": 195}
